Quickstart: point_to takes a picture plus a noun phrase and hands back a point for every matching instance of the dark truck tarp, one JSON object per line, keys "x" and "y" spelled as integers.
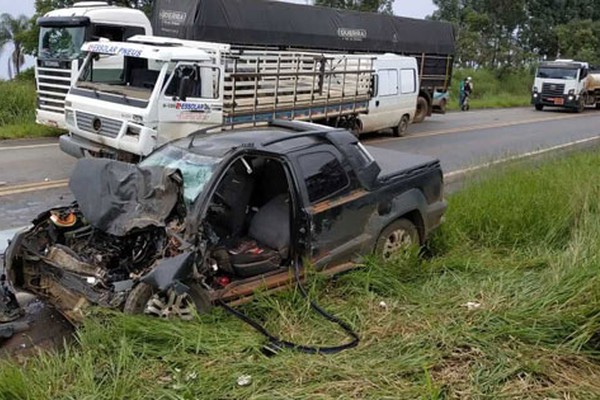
{"x": 273, "y": 23}
{"x": 117, "y": 197}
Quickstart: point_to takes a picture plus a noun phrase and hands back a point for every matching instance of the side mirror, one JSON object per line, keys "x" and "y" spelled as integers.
{"x": 584, "y": 74}
{"x": 186, "y": 87}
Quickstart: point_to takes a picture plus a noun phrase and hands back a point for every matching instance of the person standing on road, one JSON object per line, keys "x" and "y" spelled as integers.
{"x": 466, "y": 89}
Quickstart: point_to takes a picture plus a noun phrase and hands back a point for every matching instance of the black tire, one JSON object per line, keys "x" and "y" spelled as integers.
{"x": 400, "y": 130}
{"x": 597, "y": 106}
{"x": 141, "y": 294}
{"x": 580, "y": 106}
{"x": 539, "y": 107}
{"x": 422, "y": 110}
{"x": 399, "y": 234}
{"x": 443, "y": 106}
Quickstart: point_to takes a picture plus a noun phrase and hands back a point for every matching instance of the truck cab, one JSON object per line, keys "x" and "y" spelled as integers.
{"x": 62, "y": 34}
{"x": 561, "y": 83}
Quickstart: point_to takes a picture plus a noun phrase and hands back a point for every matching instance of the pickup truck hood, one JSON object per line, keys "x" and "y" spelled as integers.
{"x": 118, "y": 197}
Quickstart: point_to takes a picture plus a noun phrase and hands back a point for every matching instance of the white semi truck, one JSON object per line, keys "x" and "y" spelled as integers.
{"x": 566, "y": 84}
{"x": 164, "y": 89}
{"x": 62, "y": 33}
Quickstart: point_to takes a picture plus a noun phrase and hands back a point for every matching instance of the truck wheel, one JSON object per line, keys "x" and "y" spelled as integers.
{"x": 145, "y": 299}
{"x": 539, "y": 107}
{"x": 443, "y": 106}
{"x": 580, "y": 106}
{"x": 399, "y": 235}
{"x": 421, "y": 112}
{"x": 402, "y": 127}
{"x": 597, "y": 106}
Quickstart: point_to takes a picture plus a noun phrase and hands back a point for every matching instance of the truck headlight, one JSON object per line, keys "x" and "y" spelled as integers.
{"x": 535, "y": 95}
{"x": 70, "y": 117}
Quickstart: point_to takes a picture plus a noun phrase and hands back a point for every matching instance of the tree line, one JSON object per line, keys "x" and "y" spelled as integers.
{"x": 514, "y": 33}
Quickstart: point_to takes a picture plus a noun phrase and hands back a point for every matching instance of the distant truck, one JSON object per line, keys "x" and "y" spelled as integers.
{"x": 62, "y": 33}
{"x": 566, "y": 84}
{"x": 163, "y": 89}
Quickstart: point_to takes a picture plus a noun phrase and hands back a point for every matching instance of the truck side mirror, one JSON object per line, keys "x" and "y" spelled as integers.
{"x": 584, "y": 74}
{"x": 186, "y": 87}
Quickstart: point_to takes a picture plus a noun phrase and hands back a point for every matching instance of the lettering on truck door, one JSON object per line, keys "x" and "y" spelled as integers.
{"x": 190, "y": 100}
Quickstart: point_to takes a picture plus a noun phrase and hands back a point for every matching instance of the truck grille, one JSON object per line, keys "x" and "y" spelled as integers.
{"x": 553, "y": 89}
{"x": 108, "y": 127}
{"x": 53, "y": 85}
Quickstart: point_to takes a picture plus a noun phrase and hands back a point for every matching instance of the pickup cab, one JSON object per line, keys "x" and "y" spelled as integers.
{"x": 214, "y": 217}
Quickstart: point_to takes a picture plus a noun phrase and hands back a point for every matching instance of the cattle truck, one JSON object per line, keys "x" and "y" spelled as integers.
{"x": 285, "y": 25}
{"x": 62, "y": 33}
{"x": 567, "y": 84}
{"x": 162, "y": 89}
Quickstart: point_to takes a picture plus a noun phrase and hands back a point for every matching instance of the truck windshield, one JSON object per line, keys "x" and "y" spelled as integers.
{"x": 62, "y": 43}
{"x": 196, "y": 169}
{"x": 557, "y": 73}
{"x": 129, "y": 78}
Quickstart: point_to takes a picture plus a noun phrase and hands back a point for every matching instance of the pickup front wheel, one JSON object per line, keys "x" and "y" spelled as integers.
{"x": 399, "y": 235}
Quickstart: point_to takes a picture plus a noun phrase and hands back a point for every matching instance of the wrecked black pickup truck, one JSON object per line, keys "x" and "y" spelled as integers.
{"x": 214, "y": 217}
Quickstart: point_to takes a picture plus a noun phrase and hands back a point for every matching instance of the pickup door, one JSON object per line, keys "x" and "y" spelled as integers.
{"x": 336, "y": 207}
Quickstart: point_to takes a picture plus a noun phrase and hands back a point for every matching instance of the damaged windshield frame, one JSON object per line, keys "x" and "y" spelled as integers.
{"x": 167, "y": 157}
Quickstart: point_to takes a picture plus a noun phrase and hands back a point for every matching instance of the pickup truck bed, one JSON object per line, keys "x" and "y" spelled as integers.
{"x": 395, "y": 163}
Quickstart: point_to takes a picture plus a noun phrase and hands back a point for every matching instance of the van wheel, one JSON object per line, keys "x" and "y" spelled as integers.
{"x": 145, "y": 299}
{"x": 539, "y": 107}
{"x": 421, "y": 112}
{"x": 399, "y": 235}
{"x": 402, "y": 127}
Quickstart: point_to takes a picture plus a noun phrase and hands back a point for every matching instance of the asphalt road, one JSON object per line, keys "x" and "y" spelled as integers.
{"x": 33, "y": 174}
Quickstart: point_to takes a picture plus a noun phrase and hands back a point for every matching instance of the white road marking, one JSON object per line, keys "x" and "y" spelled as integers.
{"x": 29, "y": 146}
{"x": 519, "y": 157}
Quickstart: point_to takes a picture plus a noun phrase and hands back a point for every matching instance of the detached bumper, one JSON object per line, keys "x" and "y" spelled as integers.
{"x": 566, "y": 100}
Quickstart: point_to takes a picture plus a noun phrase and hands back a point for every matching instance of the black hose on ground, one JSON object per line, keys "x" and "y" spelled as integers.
{"x": 277, "y": 343}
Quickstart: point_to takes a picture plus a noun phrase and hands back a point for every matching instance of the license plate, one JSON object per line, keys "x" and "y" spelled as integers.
{"x": 559, "y": 102}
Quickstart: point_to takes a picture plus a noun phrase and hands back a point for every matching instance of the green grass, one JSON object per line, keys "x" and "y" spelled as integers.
{"x": 494, "y": 89}
{"x": 524, "y": 244}
{"x": 17, "y": 111}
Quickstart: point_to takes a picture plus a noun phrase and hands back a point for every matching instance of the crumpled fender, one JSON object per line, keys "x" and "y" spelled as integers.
{"x": 170, "y": 271}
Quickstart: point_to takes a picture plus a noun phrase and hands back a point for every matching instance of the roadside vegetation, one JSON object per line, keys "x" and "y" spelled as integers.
{"x": 494, "y": 89}
{"x": 505, "y": 303}
{"x": 17, "y": 109}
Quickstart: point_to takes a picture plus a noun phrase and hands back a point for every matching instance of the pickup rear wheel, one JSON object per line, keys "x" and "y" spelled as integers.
{"x": 402, "y": 127}
{"x": 399, "y": 235}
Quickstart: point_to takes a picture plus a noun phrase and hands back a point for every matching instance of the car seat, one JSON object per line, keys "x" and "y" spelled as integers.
{"x": 268, "y": 241}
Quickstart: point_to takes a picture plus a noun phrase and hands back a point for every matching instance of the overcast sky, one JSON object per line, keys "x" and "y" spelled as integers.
{"x": 408, "y": 8}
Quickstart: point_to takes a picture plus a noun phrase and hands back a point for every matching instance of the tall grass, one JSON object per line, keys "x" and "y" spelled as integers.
{"x": 17, "y": 110}
{"x": 493, "y": 89}
{"x": 524, "y": 245}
